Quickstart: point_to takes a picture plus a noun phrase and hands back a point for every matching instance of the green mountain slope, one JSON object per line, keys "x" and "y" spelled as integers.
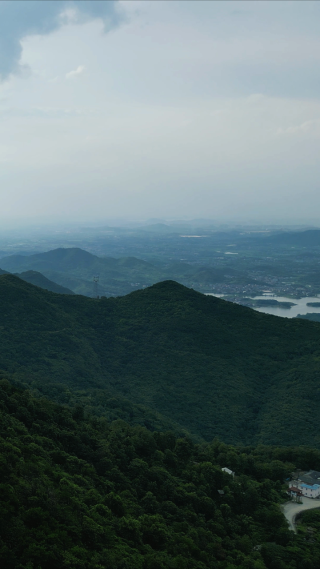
{"x": 167, "y": 354}
{"x": 37, "y": 279}
{"x": 80, "y": 493}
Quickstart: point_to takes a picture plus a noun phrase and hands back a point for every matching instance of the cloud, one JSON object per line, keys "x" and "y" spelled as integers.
{"x": 80, "y": 69}
{"x": 303, "y": 128}
{"x": 23, "y": 18}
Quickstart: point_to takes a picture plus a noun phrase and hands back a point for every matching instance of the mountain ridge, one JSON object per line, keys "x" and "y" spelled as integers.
{"x": 306, "y": 238}
{"x": 74, "y": 268}
{"x": 216, "y": 368}
{"x": 38, "y": 279}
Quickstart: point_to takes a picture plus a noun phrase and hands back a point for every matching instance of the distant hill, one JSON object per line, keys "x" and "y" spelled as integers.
{"x": 37, "y": 279}
{"x": 313, "y": 316}
{"x": 70, "y": 258}
{"x": 309, "y": 238}
{"x": 74, "y": 268}
{"x": 57, "y": 259}
{"x": 159, "y": 228}
{"x": 167, "y": 355}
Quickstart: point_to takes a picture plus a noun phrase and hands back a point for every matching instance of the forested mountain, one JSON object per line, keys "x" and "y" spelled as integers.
{"x": 80, "y": 493}
{"x": 167, "y": 357}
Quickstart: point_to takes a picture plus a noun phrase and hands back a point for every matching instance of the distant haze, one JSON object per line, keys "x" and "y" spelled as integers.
{"x": 159, "y": 109}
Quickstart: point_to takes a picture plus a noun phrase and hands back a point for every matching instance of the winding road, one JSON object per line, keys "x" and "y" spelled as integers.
{"x": 291, "y": 509}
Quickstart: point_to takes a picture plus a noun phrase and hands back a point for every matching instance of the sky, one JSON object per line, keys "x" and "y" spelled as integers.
{"x": 159, "y": 109}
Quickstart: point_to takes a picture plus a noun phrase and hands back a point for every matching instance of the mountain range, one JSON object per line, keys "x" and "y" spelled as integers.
{"x": 167, "y": 357}
{"x": 74, "y": 268}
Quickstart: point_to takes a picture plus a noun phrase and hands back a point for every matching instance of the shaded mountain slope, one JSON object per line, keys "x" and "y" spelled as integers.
{"x": 37, "y": 279}
{"x": 213, "y": 367}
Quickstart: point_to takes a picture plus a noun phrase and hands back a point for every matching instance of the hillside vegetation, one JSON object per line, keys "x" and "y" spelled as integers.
{"x": 167, "y": 357}
{"x": 80, "y": 493}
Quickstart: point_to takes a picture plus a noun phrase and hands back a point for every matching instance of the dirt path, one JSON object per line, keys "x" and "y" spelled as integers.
{"x": 291, "y": 509}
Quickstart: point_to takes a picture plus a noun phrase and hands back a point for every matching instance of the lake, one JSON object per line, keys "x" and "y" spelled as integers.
{"x": 300, "y": 308}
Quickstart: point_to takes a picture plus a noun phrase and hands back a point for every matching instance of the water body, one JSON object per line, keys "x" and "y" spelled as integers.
{"x": 300, "y": 308}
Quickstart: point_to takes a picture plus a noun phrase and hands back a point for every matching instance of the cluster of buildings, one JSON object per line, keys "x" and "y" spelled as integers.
{"x": 306, "y": 484}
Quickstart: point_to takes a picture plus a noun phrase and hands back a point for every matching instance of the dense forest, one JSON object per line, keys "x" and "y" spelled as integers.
{"x": 167, "y": 357}
{"x": 117, "y": 418}
{"x": 80, "y": 492}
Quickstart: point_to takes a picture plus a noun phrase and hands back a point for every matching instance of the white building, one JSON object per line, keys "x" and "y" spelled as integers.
{"x": 228, "y": 471}
{"x": 308, "y": 490}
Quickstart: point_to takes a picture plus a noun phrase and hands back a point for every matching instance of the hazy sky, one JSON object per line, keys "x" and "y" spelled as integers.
{"x": 160, "y": 108}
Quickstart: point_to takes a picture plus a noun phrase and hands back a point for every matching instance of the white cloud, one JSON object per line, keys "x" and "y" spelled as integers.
{"x": 19, "y": 20}
{"x": 179, "y": 115}
{"x": 80, "y": 69}
{"x": 303, "y": 128}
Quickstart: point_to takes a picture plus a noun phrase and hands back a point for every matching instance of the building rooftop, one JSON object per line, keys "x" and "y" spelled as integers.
{"x": 227, "y": 470}
{"x": 314, "y": 474}
{"x": 311, "y": 477}
{"x": 294, "y": 489}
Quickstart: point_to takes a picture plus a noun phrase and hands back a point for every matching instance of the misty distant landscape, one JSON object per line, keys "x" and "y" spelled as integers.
{"x": 240, "y": 264}
{"x": 159, "y": 284}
